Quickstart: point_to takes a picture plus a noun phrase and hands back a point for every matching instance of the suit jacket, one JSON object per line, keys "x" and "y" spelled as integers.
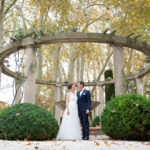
{"x": 84, "y": 101}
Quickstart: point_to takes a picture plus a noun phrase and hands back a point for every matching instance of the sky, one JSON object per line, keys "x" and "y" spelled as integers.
{"x": 7, "y": 83}
{"x": 6, "y": 90}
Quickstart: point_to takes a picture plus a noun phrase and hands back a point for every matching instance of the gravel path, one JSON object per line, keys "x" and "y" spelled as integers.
{"x": 95, "y": 143}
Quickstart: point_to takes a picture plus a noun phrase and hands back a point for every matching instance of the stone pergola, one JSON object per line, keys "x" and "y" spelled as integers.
{"x": 117, "y": 42}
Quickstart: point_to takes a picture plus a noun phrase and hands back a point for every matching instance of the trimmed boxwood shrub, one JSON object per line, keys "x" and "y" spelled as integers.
{"x": 27, "y": 122}
{"x": 127, "y": 117}
{"x": 96, "y": 121}
{"x": 1, "y": 109}
{"x": 110, "y": 88}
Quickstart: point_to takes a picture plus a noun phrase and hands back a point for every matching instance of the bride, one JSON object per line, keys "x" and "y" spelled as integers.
{"x": 70, "y": 125}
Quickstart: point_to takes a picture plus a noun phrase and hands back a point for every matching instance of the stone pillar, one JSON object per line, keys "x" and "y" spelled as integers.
{"x": 118, "y": 70}
{"x": 30, "y": 73}
{"x": 58, "y": 98}
{"x": 139, "y": 86}
{"x": 102, "y": 99}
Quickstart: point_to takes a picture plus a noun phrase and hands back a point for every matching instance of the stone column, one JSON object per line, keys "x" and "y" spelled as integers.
{"x": 118, "y": 70}
{"x": 139, "y": 86}
{"x": 30, "y": 73}
{"x": 102, "y": 99}
{"x": 58, "y": 98}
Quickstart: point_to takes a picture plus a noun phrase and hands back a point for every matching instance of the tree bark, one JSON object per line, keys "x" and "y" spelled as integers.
{"x": 71, "y": 66}
{"x": 3, "y": 11}
{"x": 39, "y": 62}
{"x": 1, "y": 31}
{"x": 102, "y": 71}
{"x": 39, "y": 76}
{"x": 78, "y": 69}
{"x": 18, "y": 92}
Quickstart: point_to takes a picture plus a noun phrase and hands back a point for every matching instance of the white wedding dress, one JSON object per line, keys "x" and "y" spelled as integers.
{"x": 70, "y": 125}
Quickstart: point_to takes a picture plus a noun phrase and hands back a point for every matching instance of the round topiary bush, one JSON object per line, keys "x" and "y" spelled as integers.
{"x": 127, "y": 117}
{"x": 96, "y": 121}
{"x": 27, "y": 122}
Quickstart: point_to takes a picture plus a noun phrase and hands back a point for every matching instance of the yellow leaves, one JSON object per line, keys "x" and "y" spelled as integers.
{"x": 96, "y": 143}
{"x": 106, "y": 143}
{"x": 145, "y": 143}
{"x": 132, "y": 15}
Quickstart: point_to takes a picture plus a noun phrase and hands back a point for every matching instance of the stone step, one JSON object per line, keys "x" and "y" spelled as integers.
{"x": 96, "y": 131}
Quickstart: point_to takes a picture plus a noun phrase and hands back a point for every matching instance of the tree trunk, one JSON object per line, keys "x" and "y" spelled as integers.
{"x": 118, "y": 70}
{"x": 1, "y": 36}
{"x": 71, "y": 67}
{"x": 78, "y": 69}
{"x": 18, "y": 92}
{"x": 102, "y": 71}
{"x": 39, "y": 61}
{"x": 39, "y": 76}
{"x": 3, "y": 12}
{"x": 81, "y": 69}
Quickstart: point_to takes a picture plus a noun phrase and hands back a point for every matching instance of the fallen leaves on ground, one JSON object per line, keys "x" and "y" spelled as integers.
{"x": 113, "y": 142}
{"x": 96, "y": 143}
{"x": 107, "y": 144}
{"x": 146, "y": 143}
{"x": 29, "y": 143}
{"x": 74, "y": 140}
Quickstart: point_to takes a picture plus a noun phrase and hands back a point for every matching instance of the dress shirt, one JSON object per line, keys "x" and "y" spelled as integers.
{"x": 81, "y": 91}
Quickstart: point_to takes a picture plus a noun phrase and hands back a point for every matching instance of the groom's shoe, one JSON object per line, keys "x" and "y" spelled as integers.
{"x": 86, "y": 138}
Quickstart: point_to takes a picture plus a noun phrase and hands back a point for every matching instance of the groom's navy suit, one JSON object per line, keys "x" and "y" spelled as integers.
{"x": 84, "y": 103}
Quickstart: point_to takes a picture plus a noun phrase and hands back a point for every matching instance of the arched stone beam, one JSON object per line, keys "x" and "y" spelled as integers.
{"x": 10, "y": 73}
{"x": 99, "y": 83}
{"x": 123, "y": 41}
{"x": 140, "y": 74}
{"x": 18, "y": 75}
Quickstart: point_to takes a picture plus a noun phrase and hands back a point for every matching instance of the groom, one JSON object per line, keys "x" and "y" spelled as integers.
{"x": 84, "y": 106}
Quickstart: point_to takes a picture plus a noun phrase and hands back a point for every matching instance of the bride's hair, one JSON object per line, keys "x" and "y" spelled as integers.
{"x": 70, "y": 86}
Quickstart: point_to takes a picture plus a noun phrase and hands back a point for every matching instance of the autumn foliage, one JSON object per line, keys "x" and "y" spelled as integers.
{"x": 27, "y": 122}
{"x": 127, "y": 117}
